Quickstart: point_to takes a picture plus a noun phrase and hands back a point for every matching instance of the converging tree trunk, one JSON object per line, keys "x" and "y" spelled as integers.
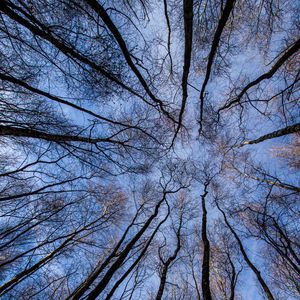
{"x": 259, "y": 277}
{"x": 206, "y": 248}
{"x": 278, "y": 133}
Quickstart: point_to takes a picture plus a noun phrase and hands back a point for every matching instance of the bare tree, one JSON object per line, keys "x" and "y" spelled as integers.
{"x": 124, "y": 166}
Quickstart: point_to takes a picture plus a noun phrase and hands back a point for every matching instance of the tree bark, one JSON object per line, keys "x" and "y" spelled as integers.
{"x": 24, "y": 274}
{"x": 289, "y": 52}
{"x": 206, "y": 250}
{"x": 233, "y": 279}
{"x": 188, "y": 15}
{"x": 214, "y": 47}
{"x": 278, "y": 133}
{"x": 122, "y": 256}
{"x": 82, "y": 288}
{"x": 275, "y": 182}
{"x": 58, "y": 138}
{"x": 246, "y": 258}
{"x": 117, "y": 284}
{"x": 166, "y": 265}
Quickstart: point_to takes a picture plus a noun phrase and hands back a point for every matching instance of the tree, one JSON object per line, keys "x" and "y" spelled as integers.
{"x": 147, "y": 147}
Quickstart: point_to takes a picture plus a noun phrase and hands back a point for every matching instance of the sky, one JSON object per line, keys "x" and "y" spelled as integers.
{"x": 248, "y": 63}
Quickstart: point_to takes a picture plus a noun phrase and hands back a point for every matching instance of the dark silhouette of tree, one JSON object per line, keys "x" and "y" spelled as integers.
{"x": 146, "y": 147}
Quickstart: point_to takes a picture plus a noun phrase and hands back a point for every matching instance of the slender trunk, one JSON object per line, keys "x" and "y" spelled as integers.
{"x": 213, "y": 51}
{"x": 163, "y": 278}
{"x": 274, "y": 182}
{"x": 169, "y": 35}
{"x": 24, "y": 274}
{"x": 117, "y": 284}
{"x": 166, "y": 265}
{"x": 25, "y": 85}
{"x": 206, "y": 250}
{"x": 59, "y": 138}
{"x": 232, "y": 279}
{"x": 278, "y": 133}
{"x": 247, "y": 259}
{"x": 277, "y": 183}
{"x": 281, "y": 60}
{"x": 101, "y": 11}
{"x": 196, "y": 283}
{"x": 122, "y": 256}
{"x": 188, "y": 15}
{"x": 83, "y": 287}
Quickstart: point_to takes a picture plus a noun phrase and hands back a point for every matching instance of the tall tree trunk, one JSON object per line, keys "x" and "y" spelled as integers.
{"x": 275, "y": 182}
{"x": 24, "y": 274}
{"x": 188, "y": 15}
{"x": 101, "y": 11}
{"x": 247, "y": 259}
{"x": 117, "y": 284}
{"x": 122, "y": 256}
{"x": 84, "y": 286}
{"x": 290, "y": 51}
{"x": 166, "y": 265}
{"x": 213, "y": 51}
{"x": 206, "y": 249}
{"x": 233, "y": 279}
{"x": 59, "y": 138}
{"x": 278, "y": 133}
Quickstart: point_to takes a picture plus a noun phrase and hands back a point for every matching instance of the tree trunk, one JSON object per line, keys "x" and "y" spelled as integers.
{"x": 213, "y": 51}
{"x": 248, "y": 261}
{"x": 82, "y": 288}
{"x": 117, "y": 284}
{"x": 24, "y": 274}
{"x": 281, "y": 132}
{"x": 122, "y": 256}
{"x": 206, "y": 250}
{"x": 59, "y": 138}
{"x": 166, "y": 265}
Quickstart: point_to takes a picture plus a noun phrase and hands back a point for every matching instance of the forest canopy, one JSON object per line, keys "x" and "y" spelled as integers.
{"x": 150, "y": 149}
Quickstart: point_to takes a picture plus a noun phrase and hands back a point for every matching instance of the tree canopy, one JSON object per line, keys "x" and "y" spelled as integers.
{"x": 149, "y": 149}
